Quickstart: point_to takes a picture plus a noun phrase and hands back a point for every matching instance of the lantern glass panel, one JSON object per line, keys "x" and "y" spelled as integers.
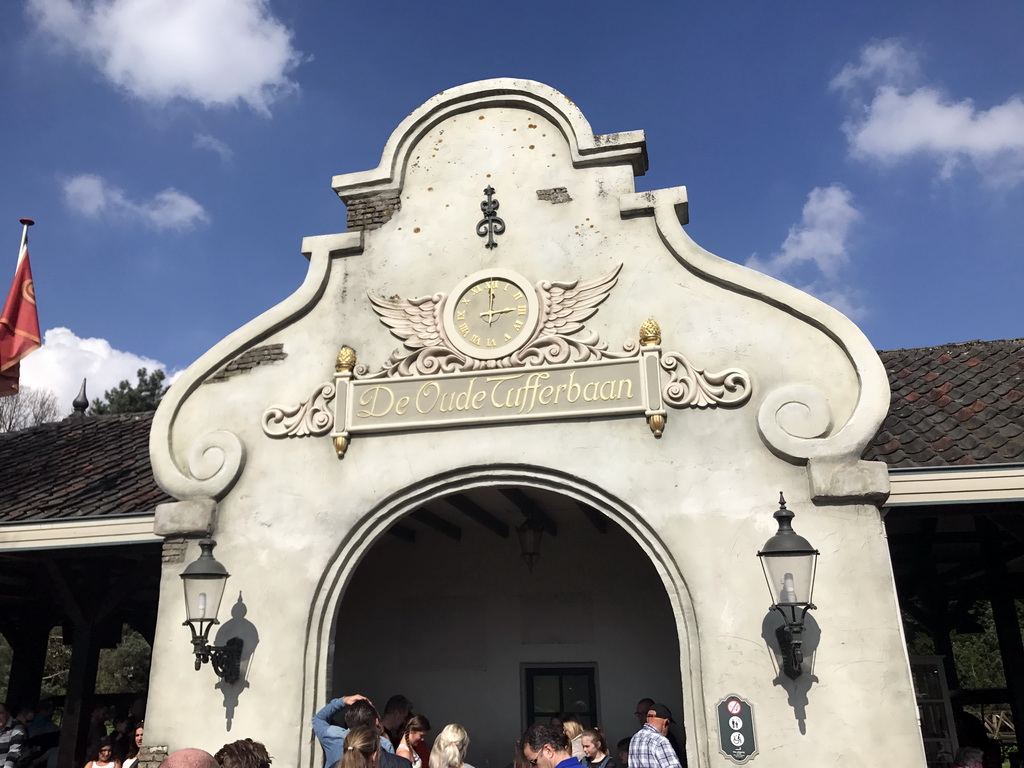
{"x": 791, "y": 577}
{"x": 203, "y": 595}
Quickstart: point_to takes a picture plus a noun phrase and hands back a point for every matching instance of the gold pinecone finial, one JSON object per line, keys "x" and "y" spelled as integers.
{"x": 650, "y": 333}
{"x": 346, "y": 359}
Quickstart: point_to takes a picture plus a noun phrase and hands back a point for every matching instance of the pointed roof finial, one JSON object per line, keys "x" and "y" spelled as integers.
{"x": 80, "y": 403}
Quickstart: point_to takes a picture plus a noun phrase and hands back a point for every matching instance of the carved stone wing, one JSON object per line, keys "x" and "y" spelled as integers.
{"x": 565, "y": 306}
{"x": 417, "y": 322}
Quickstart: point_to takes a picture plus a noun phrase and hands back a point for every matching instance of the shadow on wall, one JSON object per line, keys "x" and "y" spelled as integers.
{"x": 796, "y": 690}
{"x": 240, "y": 627}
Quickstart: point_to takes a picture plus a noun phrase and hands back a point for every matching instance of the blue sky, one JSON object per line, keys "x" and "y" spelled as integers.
{"x": 174, "y": 153}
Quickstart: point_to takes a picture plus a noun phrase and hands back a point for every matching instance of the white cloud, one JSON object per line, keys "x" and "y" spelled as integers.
{"x": 886, "y": 61}
{"x": 64, "y": 360}
{"x": 215, "y": 52}
{"x": 93, "y": 196}
{"x": 902, "y": 118}
{"x": 816, "y": 250}
{"x": 204, "y": 141}
{"x": 819, "y": 238}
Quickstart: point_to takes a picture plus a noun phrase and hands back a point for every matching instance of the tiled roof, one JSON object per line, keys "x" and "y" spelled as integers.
{"x": 81, "y": 467}
{"x": 958, "y": 404}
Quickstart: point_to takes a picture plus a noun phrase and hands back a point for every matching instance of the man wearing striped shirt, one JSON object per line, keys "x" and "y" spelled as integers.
{"x": 12, "y": 739}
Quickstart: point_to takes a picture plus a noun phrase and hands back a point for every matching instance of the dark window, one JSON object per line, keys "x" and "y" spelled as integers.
{"x": 557, "y": 690}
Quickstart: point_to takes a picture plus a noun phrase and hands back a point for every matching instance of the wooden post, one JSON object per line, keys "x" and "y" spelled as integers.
{"x": 1004, "y": 613}
{"x": 27, "y": 634}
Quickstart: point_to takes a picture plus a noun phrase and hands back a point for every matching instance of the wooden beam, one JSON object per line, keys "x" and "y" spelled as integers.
{"x": 599, "y": 521}
{"x": 477, "y": 514}
{"x": 403, "y": 532}
{"x": 438, "y": 523}
{"x": 529, "y": 509}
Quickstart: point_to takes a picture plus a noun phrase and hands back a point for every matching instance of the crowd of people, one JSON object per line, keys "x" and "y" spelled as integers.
{"x": 353, "y": 734}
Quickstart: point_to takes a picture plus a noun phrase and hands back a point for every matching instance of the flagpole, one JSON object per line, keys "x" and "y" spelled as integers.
{"x": 26, "y": 223}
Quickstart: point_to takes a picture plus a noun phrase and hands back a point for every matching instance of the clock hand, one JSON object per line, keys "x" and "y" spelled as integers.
{"x": 489, "y": 315}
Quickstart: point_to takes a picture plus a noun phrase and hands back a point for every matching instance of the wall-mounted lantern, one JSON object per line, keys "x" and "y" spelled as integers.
{"x": 789, "y": 563}
{"x": 204, "y": 581}
{"x": 530, "y": 532}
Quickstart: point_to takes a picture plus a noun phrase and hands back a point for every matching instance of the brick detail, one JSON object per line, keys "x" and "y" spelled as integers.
{"x": 245, "y": 362}
{"x": 554, "y": 195}
{"x": 151, "y": 757}
{"x": 365, "y": 213}
{"x": 173, "y": 551}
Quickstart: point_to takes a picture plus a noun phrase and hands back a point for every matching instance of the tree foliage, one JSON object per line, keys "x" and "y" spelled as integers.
{"x": 127, "y": 398}
{"x": 124, "y": 669}
{"x": 28, "y": 408}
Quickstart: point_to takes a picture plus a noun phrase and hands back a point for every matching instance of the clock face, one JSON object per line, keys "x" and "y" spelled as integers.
{"x": 491, "y": 314}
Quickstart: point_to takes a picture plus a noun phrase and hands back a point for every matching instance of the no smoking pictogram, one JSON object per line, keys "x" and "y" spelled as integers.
{"x": 734, "y": 707}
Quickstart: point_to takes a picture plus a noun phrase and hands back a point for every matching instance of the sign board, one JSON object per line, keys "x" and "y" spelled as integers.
{"x": 736, "y": 729}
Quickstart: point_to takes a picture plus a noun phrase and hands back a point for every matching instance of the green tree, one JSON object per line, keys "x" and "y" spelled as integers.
{"x": 125, "y": 398}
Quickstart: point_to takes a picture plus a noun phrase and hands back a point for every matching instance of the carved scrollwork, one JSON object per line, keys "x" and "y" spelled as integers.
{"x": 695, "y": 388}
{"x": 796, "y": 420}
{"x": 214, "y": 463}
{"x": 312, "y": 417}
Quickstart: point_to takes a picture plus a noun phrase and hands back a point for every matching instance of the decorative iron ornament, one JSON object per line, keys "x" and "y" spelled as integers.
{"x": 491, "y": 224}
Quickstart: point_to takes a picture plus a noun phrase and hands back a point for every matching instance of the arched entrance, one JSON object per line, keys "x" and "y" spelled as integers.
{"x": 433, "y": 600}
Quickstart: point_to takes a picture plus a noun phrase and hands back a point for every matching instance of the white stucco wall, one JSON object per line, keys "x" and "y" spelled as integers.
{"x": 293, "y": 519}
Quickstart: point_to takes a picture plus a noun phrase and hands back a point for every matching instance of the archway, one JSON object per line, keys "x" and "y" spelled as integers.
{"x": 433, "y": 600}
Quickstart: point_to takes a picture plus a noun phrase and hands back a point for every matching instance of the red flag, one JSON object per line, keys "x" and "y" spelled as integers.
{"x": 19, "y": 323}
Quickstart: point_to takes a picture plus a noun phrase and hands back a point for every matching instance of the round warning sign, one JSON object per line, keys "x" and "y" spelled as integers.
{"x": 734, "y": 707}
{"x": 735, "y": 723}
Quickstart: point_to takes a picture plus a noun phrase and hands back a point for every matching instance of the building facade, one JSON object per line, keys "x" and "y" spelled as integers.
{"x": 508, "y": 337}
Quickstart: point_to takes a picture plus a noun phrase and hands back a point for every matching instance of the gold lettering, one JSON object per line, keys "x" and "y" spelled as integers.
{"x": 518, "y": 325}
{"x": 464, "y": 329}
{"x": 449, "y": 406}
{"x": 477, "y": 288}
{"x": 559, "y": 390}
{"x": 610, "y": 386}
{"x": 574, "y": 389}
{"x": 422, "y": 397}
{"x": 460, "y": 315}
{"x": 522, "y": 309}
{"x": 492, "y": 343}
{"x": 370, "y": 397}
{"x": 494, "y": 389}
{"x": 465, "y": 300}
{"x": 545, "y": 395}
{"x": 464, "y": 398}
{"x": 507, "y": 337}
{"x": 478, "y": 400}
{"x": 517, "y": 295}
{"x": 491, "y": 283}
{"x": 529, "y": 392}
{"x": 593, "y": 396}
{"x": 629, "y": 389}
{"x": 474, "y": 339}
{"x": 403, "y": 403}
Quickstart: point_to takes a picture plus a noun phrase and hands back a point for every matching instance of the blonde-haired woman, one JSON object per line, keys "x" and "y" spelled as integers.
{"x": 573, "y": 729}
{"x": 361, "y": 747}
{"x": 449, "y": 750}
